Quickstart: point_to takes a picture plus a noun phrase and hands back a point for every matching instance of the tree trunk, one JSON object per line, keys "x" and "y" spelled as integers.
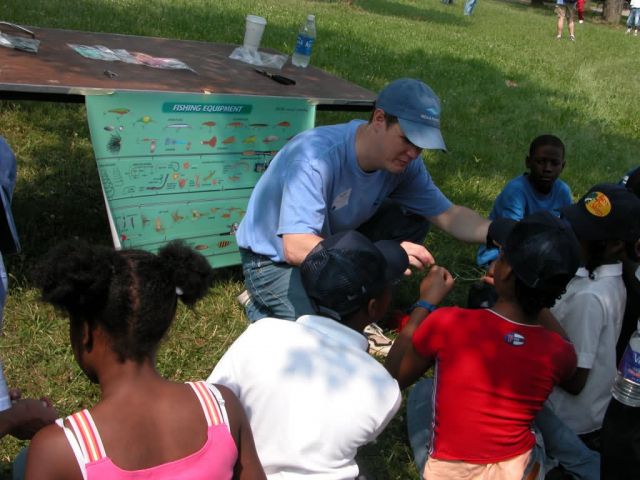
{"x": 612, "y": 11}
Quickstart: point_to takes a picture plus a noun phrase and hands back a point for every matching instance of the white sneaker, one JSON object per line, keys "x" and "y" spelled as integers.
{"x": 379, "y": 344}
{"x": 243, "y": 298}
{"x": 580, "y": 21}
{"x": 628, "y": 31}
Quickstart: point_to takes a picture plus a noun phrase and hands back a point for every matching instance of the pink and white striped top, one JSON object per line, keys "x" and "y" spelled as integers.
{"x": 215, "y": 459}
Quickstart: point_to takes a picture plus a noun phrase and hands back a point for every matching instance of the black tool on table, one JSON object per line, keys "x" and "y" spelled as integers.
{"x": 276, "y": 78}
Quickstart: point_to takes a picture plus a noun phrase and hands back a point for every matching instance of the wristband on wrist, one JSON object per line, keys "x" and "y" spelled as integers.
{"x": 430, "y": 307}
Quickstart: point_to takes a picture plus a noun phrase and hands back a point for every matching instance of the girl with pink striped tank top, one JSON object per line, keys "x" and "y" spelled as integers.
{"x": 120, "y": 305}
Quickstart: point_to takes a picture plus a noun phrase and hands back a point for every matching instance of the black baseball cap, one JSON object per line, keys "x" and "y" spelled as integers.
{"x": 607, "y": 212}
{"x": 542, "y": 249}
{"x": 631, "y": 180}
{"x": 345, "y": 270}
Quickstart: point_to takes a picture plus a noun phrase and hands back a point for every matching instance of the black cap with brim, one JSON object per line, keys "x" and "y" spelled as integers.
{"x": 541, "y": 249}
{"x": 346, "y": 269}
{"x": 607, "y": 212}
{"x": 499, "y": 230}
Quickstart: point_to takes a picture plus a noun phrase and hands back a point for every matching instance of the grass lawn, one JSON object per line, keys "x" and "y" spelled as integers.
{"x": 502, "y": 77}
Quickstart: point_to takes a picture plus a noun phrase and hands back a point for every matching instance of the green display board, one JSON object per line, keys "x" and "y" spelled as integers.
{"x": 182, "y": 166}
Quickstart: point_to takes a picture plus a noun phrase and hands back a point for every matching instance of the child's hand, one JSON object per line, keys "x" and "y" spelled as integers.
{"x": 436, "y": 285}
{"x": 488, "y": 276}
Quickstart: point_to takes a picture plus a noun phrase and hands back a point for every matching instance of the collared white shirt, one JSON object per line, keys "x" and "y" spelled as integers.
{"x": 312, "y": 394}
{"x": 591, "y": 312}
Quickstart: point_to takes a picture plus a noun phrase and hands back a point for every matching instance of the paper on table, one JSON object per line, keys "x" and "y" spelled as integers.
{"x": 255, "y": 57}
{"x": 19, "y": 43}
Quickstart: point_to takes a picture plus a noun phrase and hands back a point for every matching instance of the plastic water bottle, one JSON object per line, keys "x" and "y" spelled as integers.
{"x": 626, "y": 388}
{"x": 304, "y": 43}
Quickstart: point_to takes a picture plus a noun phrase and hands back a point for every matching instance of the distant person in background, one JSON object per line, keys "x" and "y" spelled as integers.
{"x": 469, "y": 6}
{"x": 537, "y": 190}
{"x": 566, "y": 9}
{"x": 633, "y": 21}
{"x": 580, "y": 10}
{"x": 121, "y": 304}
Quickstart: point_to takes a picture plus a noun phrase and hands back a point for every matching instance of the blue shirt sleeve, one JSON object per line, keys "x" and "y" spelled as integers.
{"x": 418, "y": 192}
{"x": 510, "y": 203}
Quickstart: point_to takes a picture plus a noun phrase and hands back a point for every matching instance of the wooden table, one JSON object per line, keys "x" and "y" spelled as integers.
{"x": 58, "y": 73}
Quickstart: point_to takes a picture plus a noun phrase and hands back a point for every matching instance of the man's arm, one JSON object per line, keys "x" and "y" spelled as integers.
{"x": 403, "y": 362}
{"x": 297, "y": 246}
{"x": 463, "y": 223}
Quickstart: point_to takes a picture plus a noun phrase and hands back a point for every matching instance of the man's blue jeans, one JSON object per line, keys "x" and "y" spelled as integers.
{"x": 276, "y": 288}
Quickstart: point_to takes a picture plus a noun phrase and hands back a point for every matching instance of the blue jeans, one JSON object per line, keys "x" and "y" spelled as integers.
{"x": 276, "y": 288}
{"x": 634, "y": 18}
{"x": 19, "y": 465}
{"x": 419, "y": 429}
{"x": 469, "y": 6}
{"x": 419, "y": 418}
{"x": 562, "y": 444}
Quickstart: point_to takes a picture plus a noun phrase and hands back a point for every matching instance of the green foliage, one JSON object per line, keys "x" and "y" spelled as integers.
{"x": 503, "y": 79}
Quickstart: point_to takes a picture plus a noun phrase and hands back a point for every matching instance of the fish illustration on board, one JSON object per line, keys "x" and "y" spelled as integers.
{"x": 178, "y": 126}
{"x": 119, "y": 111}
{"x": 211, "y": 142}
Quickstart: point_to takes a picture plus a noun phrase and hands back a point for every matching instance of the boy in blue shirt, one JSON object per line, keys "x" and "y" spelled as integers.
{"x": 537, "y": 190}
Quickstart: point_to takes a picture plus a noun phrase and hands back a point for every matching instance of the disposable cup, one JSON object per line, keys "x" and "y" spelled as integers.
{"x": 253, "y": 32}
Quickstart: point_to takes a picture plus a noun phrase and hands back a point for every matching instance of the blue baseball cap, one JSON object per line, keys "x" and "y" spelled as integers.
{"x": 418, "y": 110}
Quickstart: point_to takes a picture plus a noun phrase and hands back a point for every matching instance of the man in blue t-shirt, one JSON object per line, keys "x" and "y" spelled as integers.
{"x": 335, "y": 178}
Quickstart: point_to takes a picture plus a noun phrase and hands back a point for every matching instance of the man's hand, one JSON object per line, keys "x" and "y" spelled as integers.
{"x": 436, "y": 285}
{"x": 419, "y": 257}
{"x": 29, "y": 415}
